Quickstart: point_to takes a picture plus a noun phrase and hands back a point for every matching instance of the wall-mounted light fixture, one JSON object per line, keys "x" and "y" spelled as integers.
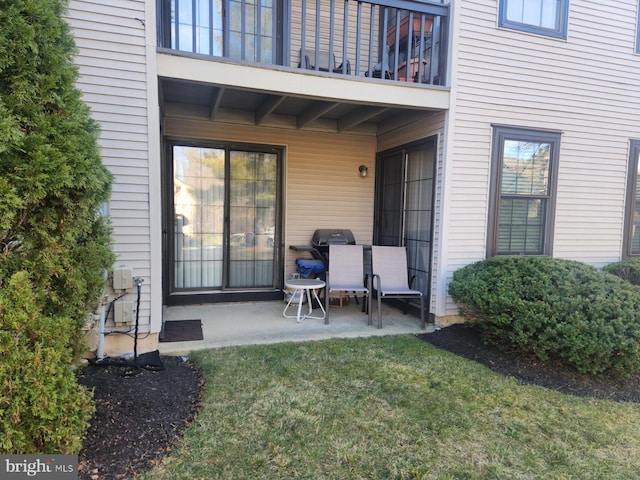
{"x": 364, "y": 171}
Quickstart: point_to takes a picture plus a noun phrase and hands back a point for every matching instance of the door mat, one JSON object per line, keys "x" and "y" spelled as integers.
{"x": 182, "y": 331}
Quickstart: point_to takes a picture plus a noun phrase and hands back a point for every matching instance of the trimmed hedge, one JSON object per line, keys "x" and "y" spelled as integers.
{"x": 42, "y": 407}
{"x": 556, "y": 309}
{"x": 627, "y": 269}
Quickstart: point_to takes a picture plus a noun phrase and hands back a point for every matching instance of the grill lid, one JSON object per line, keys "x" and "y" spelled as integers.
{"x": 326, "y": 236}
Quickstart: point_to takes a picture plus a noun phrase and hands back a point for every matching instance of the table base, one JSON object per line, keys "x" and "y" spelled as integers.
{"x": 300, "y": 293}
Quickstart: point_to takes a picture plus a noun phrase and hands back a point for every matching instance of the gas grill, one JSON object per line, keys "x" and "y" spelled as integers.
{"x": 319, "y": 248}
{"x": 324, "y": 237}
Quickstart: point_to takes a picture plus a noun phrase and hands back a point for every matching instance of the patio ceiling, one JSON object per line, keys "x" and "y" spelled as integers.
{"x": 303, "y": 112}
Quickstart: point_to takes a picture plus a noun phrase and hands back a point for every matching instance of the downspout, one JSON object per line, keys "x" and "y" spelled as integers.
{"x": 103, "y": 321}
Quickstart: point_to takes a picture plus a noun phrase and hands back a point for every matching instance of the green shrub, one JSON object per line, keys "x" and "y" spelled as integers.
{"x": 627, "y": 269}
{"x": 556, "y": 309}
{"x": 54, "y": 244}
{"x": 43, "y": 409}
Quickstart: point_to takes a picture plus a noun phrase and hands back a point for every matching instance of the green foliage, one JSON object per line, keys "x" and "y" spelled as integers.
{"x": 627, "y": 269}
{"x": 42, "y": 407}
{"x": 54, "y": 245}
{"x": 557, "y": 309}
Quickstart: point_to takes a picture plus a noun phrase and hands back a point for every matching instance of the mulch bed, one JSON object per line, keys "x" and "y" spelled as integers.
{"x": 140, "y": 414}
{"x": 139, "y": 417}
{"x": 465, "y": 341}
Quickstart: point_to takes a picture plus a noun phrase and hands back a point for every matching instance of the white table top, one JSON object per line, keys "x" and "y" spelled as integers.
{"x": 304, "y": 283}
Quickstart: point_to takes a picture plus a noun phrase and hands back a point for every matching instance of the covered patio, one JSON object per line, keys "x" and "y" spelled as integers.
{"x": 250, "y": 323}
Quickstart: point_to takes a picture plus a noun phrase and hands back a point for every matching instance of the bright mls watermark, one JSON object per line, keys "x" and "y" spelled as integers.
{"x": 50, "y": 467}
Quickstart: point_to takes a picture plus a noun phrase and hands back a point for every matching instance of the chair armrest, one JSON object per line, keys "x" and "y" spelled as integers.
{"x": 338, "y": 69}
{"x": 413, "y": 280}
{"x": 373, "y": 282}
{"x": 305, "y": 62}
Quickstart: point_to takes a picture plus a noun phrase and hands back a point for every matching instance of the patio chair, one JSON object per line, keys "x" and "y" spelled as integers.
{"x": 391, "y": 278}
{"x": 346, "y": 274}
{"x": 308, "y": 61}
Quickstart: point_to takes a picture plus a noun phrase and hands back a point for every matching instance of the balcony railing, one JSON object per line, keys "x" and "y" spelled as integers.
{"x": 392, "y": 40}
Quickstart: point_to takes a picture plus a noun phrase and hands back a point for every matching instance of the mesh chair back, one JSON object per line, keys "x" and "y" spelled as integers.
{"x": 324, "y": 60}
{"x": 390, "y": 264}
{"x": 346, "y": 267}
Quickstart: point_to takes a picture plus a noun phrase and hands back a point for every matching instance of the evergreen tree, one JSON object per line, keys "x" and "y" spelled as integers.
{"x": 54, "y": 244}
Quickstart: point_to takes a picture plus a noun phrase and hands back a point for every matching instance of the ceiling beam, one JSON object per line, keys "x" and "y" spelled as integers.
{"x": 402, "y": 119}
{"x": 358, "y": 116}
{"x": 267, "y": 107}
{"x": 216, "y": 98}
{"x": 314, "y": 112}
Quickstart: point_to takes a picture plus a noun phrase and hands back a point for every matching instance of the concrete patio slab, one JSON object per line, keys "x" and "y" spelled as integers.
{"x": 253, "y": 323}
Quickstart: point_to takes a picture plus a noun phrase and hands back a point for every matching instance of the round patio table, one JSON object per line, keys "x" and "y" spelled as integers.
{"x": 304, "y": 287}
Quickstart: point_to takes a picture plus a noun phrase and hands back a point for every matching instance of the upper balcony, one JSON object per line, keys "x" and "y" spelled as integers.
{"x": 396, "y": 40}
{"x": 366, "y": 66}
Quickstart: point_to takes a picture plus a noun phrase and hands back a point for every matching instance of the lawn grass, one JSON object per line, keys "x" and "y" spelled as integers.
{"x": 391, "y": 408}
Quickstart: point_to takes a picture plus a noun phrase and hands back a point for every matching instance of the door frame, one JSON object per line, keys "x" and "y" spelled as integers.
{"x": 194, "y": 297}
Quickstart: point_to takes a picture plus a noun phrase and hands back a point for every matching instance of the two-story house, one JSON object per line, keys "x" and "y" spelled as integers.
{"x": 460, "y": 129}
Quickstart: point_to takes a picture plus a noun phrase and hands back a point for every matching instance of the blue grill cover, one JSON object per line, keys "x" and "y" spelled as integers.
{"x": 308, "y": 267}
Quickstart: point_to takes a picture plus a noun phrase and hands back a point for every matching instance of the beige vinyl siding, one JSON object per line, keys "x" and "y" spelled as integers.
{"x": 323, "y": 188}
{"x": 113, "y": 79}
{"x": 585, "y": 87}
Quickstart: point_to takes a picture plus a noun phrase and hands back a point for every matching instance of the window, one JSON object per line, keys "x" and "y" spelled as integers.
{"x": 546, "y": 17}
{"x": 632, "y": 231}
{"x": 522, "y": 205}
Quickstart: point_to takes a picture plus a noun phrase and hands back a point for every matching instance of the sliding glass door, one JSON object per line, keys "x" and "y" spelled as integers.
{"x": 404, "y": 204}
{"x": 225, "y": 210}
{"x": 240, "y": 29}
{"x": 253, "y": 179}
